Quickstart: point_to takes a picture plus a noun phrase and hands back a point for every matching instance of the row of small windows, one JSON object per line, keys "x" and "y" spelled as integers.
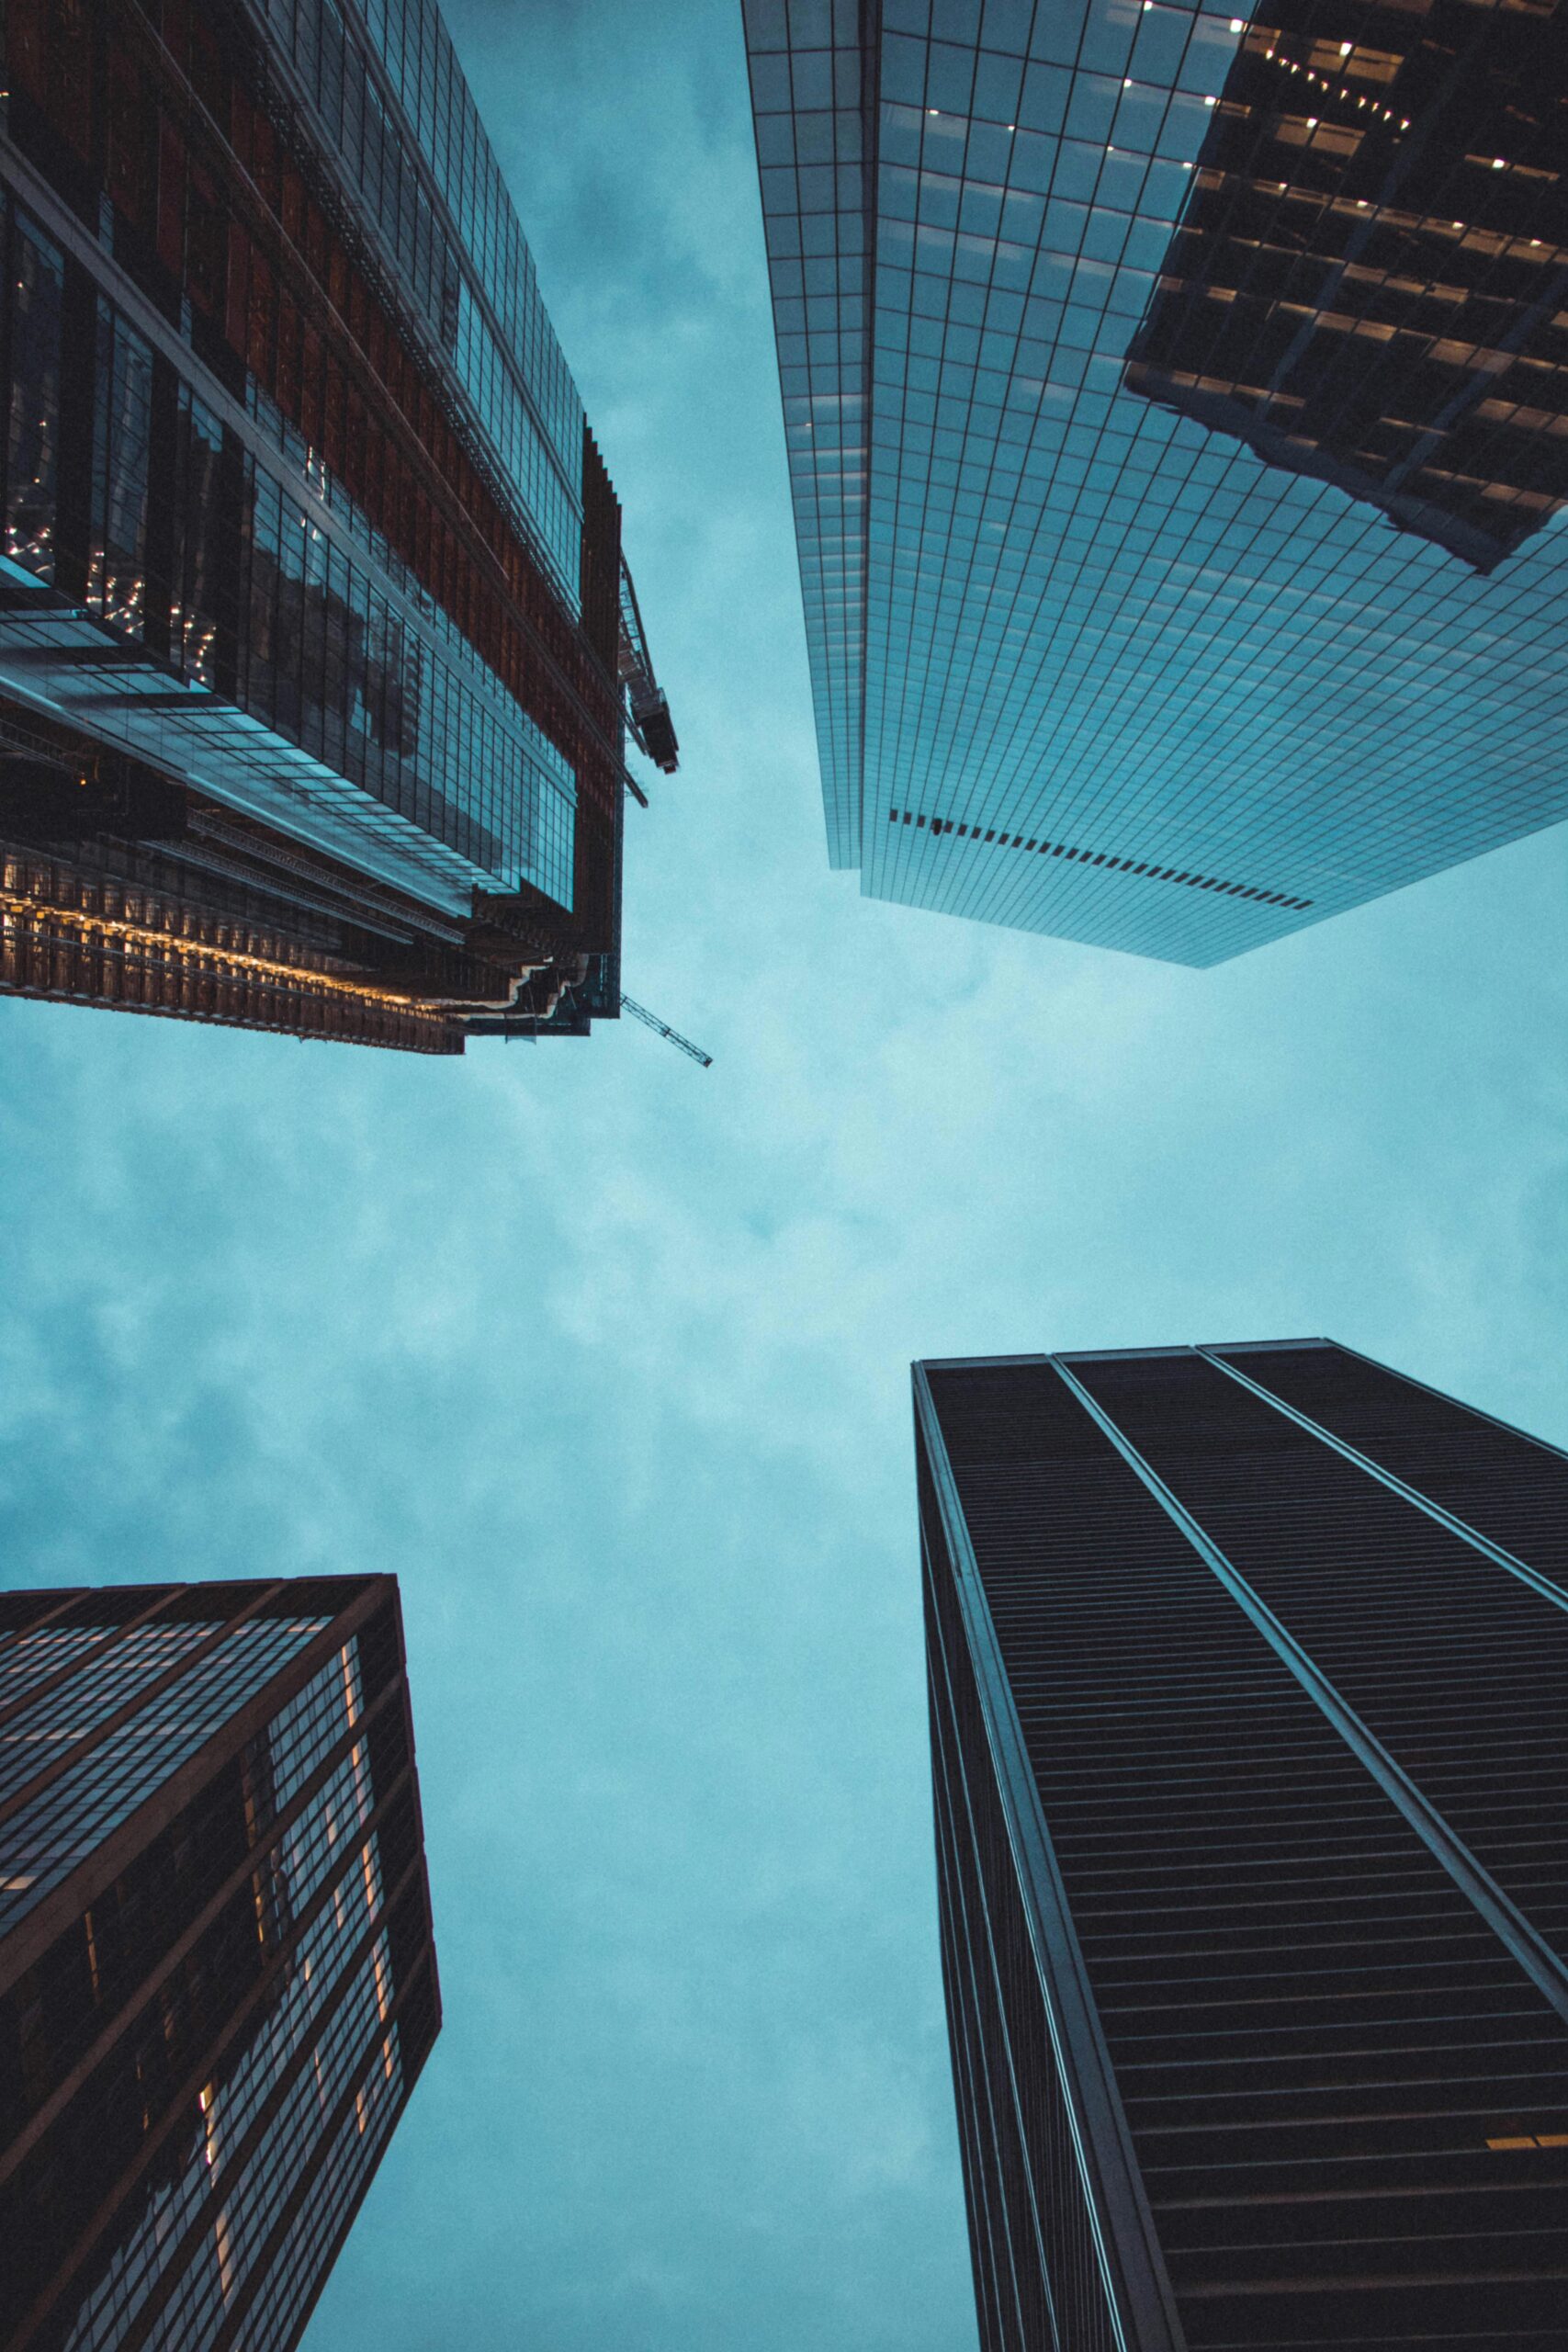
{"x": 1099, "y": 857}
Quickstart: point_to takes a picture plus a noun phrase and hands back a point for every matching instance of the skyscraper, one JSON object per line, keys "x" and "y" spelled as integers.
{"x": 1249, "y": 1707}
{"x": 318, "y": 647}
{"x": 1173, "y": 409}
{"x": 217, "y": 1982}
{"x": 1410, "y": 356}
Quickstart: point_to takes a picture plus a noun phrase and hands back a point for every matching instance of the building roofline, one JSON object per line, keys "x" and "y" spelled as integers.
{"x": 1102, "y": 1355}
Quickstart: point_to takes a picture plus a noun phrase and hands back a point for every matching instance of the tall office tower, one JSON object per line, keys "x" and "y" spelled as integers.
{"x": 216, "y": 1980}
{"x": 1173, "y": 402}
{"x": 318, "y": 650}
{"x": 1250, "y": 1706}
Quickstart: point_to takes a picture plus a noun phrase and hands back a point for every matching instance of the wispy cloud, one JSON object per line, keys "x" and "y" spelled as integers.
{"x": 607, "y": 1357}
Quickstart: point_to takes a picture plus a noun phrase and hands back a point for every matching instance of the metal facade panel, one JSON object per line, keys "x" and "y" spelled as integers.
{"x": 1338, "y": 2039}
{"x": 1063, "y": 2241}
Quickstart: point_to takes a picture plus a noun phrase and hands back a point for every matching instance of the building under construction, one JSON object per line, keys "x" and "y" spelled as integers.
{"x": 318, "y": 651}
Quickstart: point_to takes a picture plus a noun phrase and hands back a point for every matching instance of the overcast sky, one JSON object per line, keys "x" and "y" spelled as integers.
{"x": 607, "y": 1356}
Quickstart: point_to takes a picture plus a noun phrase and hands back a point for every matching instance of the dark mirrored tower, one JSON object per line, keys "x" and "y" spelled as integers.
{"x": 1249, "y": 1707}
{"x": 218, "y": 1985}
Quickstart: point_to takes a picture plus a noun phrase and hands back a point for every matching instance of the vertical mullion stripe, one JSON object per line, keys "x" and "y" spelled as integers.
{"x": 1131, "y": 2264}
{"x": 1539, "y": 1962}
{"x": 1455, "y": 1526}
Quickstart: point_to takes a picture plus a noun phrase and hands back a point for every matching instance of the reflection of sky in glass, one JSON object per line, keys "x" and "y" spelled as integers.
{"x": 504, "y": 348}
{"x": 1090, "y": 624}
{"x": 461, "y": 790}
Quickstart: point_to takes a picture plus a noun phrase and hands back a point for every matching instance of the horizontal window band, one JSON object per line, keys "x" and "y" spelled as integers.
{"x": 1098, "y": 857}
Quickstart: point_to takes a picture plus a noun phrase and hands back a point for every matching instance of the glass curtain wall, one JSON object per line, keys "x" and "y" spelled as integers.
{"x": 1082, "y": 664}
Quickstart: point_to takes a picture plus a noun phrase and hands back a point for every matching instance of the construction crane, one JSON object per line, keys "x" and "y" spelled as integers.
{"x": 647, "y": 712}
{"x": 661, "y": 1028}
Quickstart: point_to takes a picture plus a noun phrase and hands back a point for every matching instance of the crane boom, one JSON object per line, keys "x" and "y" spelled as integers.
{"x": 651, "y": 1021}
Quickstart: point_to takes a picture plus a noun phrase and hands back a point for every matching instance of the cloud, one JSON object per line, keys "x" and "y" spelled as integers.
{"x": 607, "y": 1357}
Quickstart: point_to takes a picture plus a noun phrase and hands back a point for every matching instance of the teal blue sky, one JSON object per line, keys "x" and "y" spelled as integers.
{"x": 607, "y": 1357}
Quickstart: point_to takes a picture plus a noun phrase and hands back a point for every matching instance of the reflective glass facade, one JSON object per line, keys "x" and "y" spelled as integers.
{"x": 1098, "y": 648}
{"x": 1250, "y": 1708}
{"x": 1408, "y": 344}
{"x": 300, "y": 512}
{"x": 442, "y": 213}
{"x": 216, "y": 1980}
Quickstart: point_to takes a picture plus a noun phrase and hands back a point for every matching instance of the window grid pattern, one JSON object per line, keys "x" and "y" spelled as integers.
{"x": 1328, "y": 2061}
{"x": 312, "y": 1722}
{"x": 194, "y": 2312}
{"x": 334, "y": 662}
{"x": 345, "y": 1804}
{"x": 1087, "y": 617}
{"x": 26, "y": 1658}
{"x": 227, "y": 2109}
{"x": 1511, "y": 1489}
{"x": 348, "y": 658}
{"x": 517, "y": 379}
{"x": 98, "y": 1690}
{"x": 809, "y": 93}
{"x": 1366, "y": 282}
{"x": 264, "y": 2003}
{"x": 294, "y": 2275}
{"x": 44, "y": 1842}
{"x": 1458, "y": 1666}
{"x": 326, "y": 1844}
{"x": 1094, "y": 857}
{"x": 1038, "y": 2280}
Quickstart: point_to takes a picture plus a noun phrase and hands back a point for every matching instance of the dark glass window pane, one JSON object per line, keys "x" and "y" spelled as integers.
{"x": 33, "y": 434}
{"x": 122, "y": 409}
{"x": 199, "y": 450}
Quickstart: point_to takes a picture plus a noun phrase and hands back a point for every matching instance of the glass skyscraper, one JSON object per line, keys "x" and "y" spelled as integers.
{"x": 1174, "y": 408}
{"x": 216, "y": 1980}
{"x": 318, "y": 648}
{"x": 1249, "y": 1713}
